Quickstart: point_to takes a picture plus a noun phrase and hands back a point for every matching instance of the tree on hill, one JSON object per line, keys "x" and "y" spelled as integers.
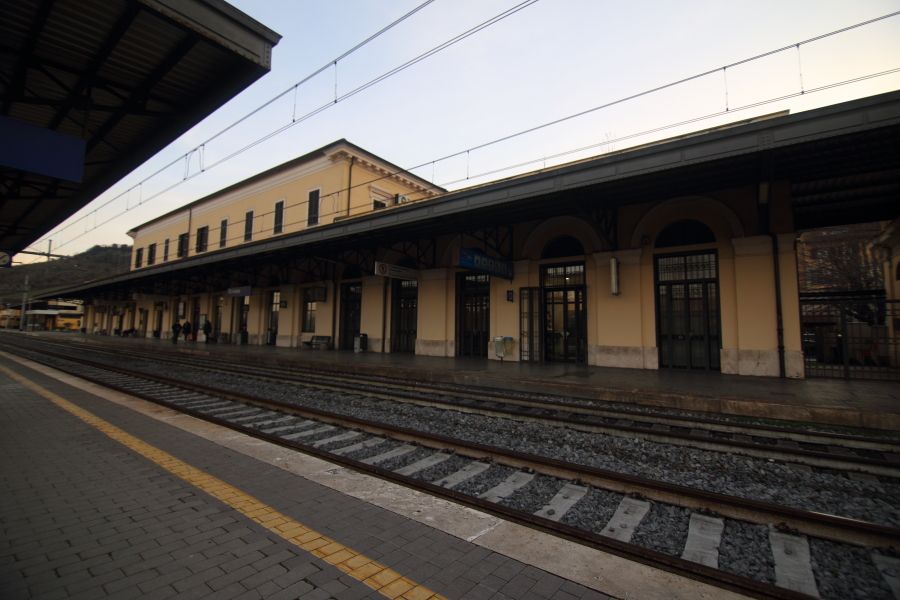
{"x": 98, "y": 262}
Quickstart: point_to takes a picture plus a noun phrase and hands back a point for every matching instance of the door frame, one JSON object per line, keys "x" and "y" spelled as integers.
{"x": 581, "y": 329}
{"x": 712, "y": 363}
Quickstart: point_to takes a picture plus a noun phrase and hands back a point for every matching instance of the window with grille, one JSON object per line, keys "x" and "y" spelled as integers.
{"x": 223, "y": 233}
{"x": 278, "y": 226}
{"x": 138, "y": 258}
{"x": 248, "y": 226}
{"x": 312, "y": 217}
{"x": 182, "y": 245}
{"x": 151, "y": 254}
{"x": 202, "y": 238}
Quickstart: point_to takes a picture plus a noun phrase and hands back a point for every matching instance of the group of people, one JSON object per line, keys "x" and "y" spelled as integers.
{"x": 187, "y": 330}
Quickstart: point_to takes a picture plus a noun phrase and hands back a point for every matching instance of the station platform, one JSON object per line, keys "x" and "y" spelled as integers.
{"x": 108, "y": 496}
{"x": 850, "y": 403}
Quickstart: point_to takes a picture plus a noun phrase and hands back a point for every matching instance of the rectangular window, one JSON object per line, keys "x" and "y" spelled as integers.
{"x": 313, "y": 216}
{"x": 138, "y": 258}
{"x": 223, "y": 233}
{"x": 182, "y": 250}
{"x": 166, "y": 250}
{"x": 309, "y": 315}
{"x": 278, "y": 227}
{"x": 248, "y": 226}
{"x": 151, "y": 254}
{"x": 202, "y": 239}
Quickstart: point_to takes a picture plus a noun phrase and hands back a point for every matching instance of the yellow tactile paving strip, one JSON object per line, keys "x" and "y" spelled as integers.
{"x": 386, "y": 581}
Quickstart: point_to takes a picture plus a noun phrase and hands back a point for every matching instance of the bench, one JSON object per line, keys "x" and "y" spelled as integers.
{"x": 318, "y": 342}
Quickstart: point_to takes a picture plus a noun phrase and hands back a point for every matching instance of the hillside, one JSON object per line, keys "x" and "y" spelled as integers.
{"x": 97, "y": 263}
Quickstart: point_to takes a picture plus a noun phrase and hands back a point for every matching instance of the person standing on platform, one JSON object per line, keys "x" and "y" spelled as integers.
{"x": 176, "y": 331}
{"x": 207, "y": 330}
{"x": 186, "y": 330}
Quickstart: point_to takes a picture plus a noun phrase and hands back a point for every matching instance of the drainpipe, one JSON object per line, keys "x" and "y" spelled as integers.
{"x": 776, "y": 263}
{"x": 384, "y": 297}
{"x": 350, "y": 182}
{"x": 765, "y": 220}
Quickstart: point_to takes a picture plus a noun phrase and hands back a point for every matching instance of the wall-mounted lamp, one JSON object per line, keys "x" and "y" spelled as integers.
{"x": 614, "y": 276}
{"x": 509, "y": 295}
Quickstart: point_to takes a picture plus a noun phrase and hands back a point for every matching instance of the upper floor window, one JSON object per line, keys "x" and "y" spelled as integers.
{"x": 312, "y": 217}
{"x": 166, "y": 250}
{"x": 138, "y": 258}
{"x": 248, "y": 226}
{"x": 202, "y": 238}
{"x": 278, "y": 226}
{"x": 182, "y": 250}
{"x": 223, "y": 233}
{"x": 151, "y": 254}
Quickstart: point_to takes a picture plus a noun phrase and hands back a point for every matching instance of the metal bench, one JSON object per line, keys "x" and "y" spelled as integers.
{"x": 318, "y": 342}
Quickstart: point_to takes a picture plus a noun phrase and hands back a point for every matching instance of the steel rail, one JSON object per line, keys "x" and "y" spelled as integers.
{"x": 626, "y": 550}
{"x": 411, "y": 393}
{"x": 817, "y": 524}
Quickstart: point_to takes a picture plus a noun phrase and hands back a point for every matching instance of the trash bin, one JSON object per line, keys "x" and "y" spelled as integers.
{"x": 361, "y": 343}
{"x": 499, "y": 347}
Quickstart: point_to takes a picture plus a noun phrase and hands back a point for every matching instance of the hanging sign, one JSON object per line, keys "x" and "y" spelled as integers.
{"x": 395, "y": 271}
{"x": 244, "y": 290}
{"x": 476, "y": 260}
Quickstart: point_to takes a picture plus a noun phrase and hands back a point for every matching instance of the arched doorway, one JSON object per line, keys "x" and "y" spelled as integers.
{"x": 404, "y": 312}
{"x": 563, "y": 289}
{"x": 351, "y": 307}
{"x": 688, "y": 326}
{"x": 473, "y": 311}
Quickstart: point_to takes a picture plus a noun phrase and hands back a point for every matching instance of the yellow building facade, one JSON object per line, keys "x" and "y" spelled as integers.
{"x": 678, "y": 255}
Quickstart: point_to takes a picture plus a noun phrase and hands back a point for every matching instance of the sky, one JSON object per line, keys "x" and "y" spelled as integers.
{"x": 549, "y": 60}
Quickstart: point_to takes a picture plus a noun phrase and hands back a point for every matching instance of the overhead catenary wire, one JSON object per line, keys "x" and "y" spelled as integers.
{"x": 295, "y": 120}
{"x": 507, "y": 137}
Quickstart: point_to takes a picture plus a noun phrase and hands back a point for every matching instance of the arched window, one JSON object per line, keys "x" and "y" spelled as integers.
{"x": 564, "y": 245}
{"x": 684, "y": 233}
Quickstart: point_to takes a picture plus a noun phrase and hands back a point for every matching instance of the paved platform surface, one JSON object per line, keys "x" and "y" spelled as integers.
{"x": 856, "y": 403}
{"x": 84, "y": 516}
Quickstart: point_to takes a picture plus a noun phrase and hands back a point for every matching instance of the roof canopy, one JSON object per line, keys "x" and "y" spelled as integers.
{"x": 92, "y": 88}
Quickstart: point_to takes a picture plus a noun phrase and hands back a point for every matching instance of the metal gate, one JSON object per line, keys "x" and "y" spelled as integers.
{"x": 851, "y": 335}
{"x": 565, "y": 313}
{"x": 687, "y": 311}
{"x": 473, "y": 314}
{"x": 351, "y": 312}
{"x": 405, "y": 315}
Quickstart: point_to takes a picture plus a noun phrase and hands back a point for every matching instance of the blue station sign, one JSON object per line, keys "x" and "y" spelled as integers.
{"x": 476, "y": 260}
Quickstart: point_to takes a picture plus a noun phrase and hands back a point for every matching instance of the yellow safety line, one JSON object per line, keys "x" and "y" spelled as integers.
{"x": 386, "y": 581}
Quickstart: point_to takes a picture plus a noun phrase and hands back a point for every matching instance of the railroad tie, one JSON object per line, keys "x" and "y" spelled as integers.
{"x": 627, "y": 517}
{"x": 467, "y": 472}
{"x": 792, "y": 565}
{"x": 398, "y": 451}
{"x": 341, "y": 437}
{"x": 421, "y": 465}
{"x": 704, "y": 537}
{"x": 369, "y": 443}
{"x": 507, "y": 487}
{"x": 308, "y": 432}
{"x": 274, "y": 430}
{"x": 564, "y": 499}
{"x": 889, "y": 567}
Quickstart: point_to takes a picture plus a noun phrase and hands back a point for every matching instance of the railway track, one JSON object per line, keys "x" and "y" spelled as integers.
{"x": 877, "y": 455}
{"x": 445, "y": 466}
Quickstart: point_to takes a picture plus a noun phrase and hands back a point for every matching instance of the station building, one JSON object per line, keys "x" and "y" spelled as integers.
{"x": 676, "y": 255}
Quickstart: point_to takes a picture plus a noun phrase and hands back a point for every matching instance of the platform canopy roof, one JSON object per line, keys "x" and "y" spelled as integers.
{"x": 90, "y": 89}
{"x": 842, "y": 163}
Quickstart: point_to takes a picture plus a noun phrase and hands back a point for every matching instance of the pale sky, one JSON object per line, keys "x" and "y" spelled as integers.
{"x": 549, "y": 60}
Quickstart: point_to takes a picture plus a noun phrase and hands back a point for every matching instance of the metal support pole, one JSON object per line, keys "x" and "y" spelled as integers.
{"x": 22, "y": 317}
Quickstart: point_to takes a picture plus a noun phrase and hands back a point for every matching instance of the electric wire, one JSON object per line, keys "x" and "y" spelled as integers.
{"x": 295, "y": 120}
{"x": 553, "y": 122}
